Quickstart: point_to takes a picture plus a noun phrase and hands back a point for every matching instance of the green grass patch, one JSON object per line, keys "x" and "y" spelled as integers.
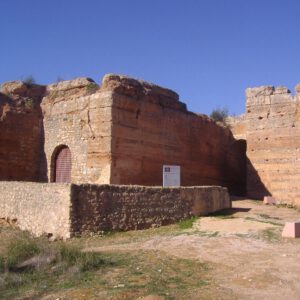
{"x": 2, "y": 264}
{"x": 92, "y": 87}
{"x": 20, "y": 250}
{"x": 285, "y": 205}
{"x": 152, "y": 272}
{"x": 69, "y": 266}
{"x": 271, "y": 234}
{"x": 187, "y": 223}
{"x": 117, "y": 275}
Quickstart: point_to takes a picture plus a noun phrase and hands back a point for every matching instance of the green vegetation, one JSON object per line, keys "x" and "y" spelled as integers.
{"x": 18, "y": 251}
{"x": 35, "y": 265}
{"x": 220, "y": 115}
{"x": 271, "y": 234}
{"x": 92, "y": 87}
{"x": 29, "y": 103}
{"x": 31, "y": 268}
{"x": 84, "y": 261}
{"x": 29, "y": 80}
{"x": 187, "y": 223}
{"x": 285, "y": 205}
{"x": 2, "y": 264}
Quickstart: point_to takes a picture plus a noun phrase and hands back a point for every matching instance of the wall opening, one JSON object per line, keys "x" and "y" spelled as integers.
{"x": 61, "y": 164}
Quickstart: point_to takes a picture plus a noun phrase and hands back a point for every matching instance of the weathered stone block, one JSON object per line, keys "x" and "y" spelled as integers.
{"x": 291, "y": 230}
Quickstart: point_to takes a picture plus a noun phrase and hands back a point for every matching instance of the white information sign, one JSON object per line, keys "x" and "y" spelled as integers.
{"x": 171, "y": 175}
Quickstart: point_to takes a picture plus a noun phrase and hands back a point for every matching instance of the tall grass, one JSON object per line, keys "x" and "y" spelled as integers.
{"x": 20, "y": 250}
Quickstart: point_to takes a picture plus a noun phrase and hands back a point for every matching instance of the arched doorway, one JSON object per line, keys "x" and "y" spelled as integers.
{"x": 62, "y": 164}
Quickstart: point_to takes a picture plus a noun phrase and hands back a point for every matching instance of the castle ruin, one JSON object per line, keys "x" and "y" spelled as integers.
{"x": 105, "y": 146}
{"x": 98, "y": 154}
{"x": 271, "y": 127}
{"x": 120, "y": 133}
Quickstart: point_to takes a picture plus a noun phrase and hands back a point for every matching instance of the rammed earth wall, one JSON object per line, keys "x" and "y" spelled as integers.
{"x": 121, "y": 132}
{"x": 271, "y": 127}
{"x": 64, "y": 210}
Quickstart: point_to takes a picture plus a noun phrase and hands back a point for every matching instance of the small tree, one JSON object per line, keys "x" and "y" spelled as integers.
{"x": 29, "y": 80}
{"x": 220, "y": 115}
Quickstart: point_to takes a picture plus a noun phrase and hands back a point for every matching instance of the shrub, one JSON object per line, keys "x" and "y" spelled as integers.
{"x": 220, "y": 115}
{"x": 2, "y": 264}
{"x": 91, "y": 261}
{"x": 20, "y": 250}
{"x": 69, "y": 254}
{"x": 92, "y": 87}
{"x": 29, "y": 80}
{"x": 85, "y": 261}
{"x": 29, "y": 103}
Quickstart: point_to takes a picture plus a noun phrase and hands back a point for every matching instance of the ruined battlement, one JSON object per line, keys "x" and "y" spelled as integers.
{"x": 270, "y": 95}
{"x": 267, "y": 90}
{"x": 271, "y": 127}
{"x": 121, "y": 85}
{"x": 133, "y": 87}
{"x": 17, "y": 89}
{"x": 66, "y": 85}
{"x": 119, "y": 132}
{"x": 101, "y": 141}
{"x": 20, "y": 131}
{"x": 142, "y": 91}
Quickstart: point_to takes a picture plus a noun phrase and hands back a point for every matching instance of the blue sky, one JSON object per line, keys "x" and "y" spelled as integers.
{"x": 208, "y": 51}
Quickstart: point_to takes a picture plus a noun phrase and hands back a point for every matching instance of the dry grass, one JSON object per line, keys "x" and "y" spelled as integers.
{"x": 76, "y": 274}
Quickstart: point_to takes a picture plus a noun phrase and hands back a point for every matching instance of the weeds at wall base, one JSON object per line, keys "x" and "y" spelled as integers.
{"x": 187, "y": 223}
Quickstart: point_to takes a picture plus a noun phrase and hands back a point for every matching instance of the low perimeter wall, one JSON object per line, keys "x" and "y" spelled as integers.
{"x": 65, "y": 210}
{"x": 41, "y": 208}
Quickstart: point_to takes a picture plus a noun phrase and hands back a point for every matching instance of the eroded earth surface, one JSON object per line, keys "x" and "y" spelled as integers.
{"x": 248, "y": 257}
{"x": 234, "y": 254}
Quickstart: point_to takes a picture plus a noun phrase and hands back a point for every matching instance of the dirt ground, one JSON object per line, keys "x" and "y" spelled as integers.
{"x": 249, "y": 258}
{"x": 233, "y": 254}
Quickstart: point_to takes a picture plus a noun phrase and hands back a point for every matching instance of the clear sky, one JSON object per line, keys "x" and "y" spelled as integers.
{"x": 208, "y": 51}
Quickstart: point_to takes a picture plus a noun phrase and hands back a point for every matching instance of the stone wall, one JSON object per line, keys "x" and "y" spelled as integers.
{"x": 109, "y": 207}
{"x": 21, "y": 130}
{"x": 272, "y": 131}
{"x": 77, "y": 115}
{"x": 64, "y": 210}
{"x": 273, "y": 143}
{"x": 122, "y": 132}
{"x": 238, "y": 126}
{"x": 151, "y": 127}
{"x": 40, "y": 208}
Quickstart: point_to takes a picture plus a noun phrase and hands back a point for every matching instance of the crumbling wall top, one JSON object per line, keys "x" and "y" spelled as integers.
{"x": 133, "y": 87}
{"x": 66, "y": 85}
{"x": 269, "y": 95}
{"x": 267, "y": 90}
{"x": 22, "y": 89}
